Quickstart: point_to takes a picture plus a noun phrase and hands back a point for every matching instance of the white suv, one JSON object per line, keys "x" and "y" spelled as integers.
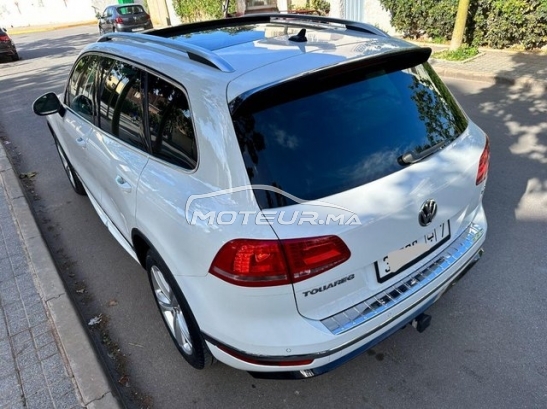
{"x": 297, "y": 187}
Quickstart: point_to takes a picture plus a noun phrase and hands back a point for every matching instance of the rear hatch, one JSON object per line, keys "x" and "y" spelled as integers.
{"x": 133, "y": 15}
{"x": 378, "y": 155}
{"x": 5, "y": 41}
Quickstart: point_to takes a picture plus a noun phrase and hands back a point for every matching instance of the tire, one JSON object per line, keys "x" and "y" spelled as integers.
{"x": 101, "y": 31}
{"x": 15, "y": 57}
{"x": 176, "y": 314}
{"x": 73, "y": 178}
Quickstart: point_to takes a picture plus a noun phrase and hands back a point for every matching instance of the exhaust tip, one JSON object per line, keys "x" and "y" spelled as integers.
{"x": 421, "y": 322}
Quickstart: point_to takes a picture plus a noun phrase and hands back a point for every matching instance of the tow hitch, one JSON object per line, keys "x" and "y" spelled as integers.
{"x": 421, "y": 322}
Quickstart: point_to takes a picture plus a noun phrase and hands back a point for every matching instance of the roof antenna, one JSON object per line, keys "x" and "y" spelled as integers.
{"x": 300, "y": 37}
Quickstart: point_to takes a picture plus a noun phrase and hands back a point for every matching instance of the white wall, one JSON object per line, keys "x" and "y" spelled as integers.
{"x": 372, "y": 13}
{"x": 377, "y": 16}
{"x": 175, "y": 20}
{"x": 337, "y": 8}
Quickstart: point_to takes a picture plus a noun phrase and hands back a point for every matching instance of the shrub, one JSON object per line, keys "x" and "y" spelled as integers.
{"x": 441, "y": 17}
{"x": 514, "y": 22}
{"x": 495, "y": 23}
{"x": 461, "y": 54}
{"x": 409, "y": 17}
{"x": 199, "y": 10}
{"x": 322, "y": 6}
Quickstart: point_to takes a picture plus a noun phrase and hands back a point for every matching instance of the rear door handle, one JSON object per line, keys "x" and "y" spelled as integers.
{"x": 122, "y": 184}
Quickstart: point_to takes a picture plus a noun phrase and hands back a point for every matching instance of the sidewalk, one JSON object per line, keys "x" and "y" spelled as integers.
{"x": 46, "y": 358}
{"x": 497, "y": 66}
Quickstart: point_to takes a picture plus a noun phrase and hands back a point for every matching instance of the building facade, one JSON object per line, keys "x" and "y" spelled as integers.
{"x": 23, "y": 13}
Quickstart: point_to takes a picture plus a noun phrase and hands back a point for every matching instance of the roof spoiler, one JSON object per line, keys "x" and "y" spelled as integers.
{"x": 279, "y": 92}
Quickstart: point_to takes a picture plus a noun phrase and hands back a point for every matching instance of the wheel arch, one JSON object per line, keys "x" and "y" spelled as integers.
{"x": 51, "y": 130}
{"x": 141, "y": 245}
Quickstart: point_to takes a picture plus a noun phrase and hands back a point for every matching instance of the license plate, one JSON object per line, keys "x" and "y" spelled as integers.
{"x": 398, "y": 260}
{"x": 138, "y": 29}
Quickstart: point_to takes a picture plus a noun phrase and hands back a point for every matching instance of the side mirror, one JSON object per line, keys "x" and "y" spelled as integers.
{"x": 48, "y": 104}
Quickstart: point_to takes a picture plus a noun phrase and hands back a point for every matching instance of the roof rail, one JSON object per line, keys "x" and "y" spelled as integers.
{"x": 265, "y": 18}
{"x": 194, "y": 52}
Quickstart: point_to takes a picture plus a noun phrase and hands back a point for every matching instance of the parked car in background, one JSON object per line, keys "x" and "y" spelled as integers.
{"x": 298, "y": 188}
{"x": 124, "y": 17}
{"x": 7, "y": 46}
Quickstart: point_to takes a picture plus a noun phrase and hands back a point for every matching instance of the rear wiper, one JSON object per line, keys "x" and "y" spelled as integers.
{"x": 411, "y": 157}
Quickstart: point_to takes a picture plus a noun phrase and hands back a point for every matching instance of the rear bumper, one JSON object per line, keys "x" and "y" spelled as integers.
{"x": 358, "y": 333}
{"x": 7, "y": 50}
{"x": 369, "y": 344}
{"x": 129, "y": 28}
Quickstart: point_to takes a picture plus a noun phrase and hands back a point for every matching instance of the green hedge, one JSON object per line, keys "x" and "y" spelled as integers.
{"x": 493, "y": 23}
{"x": 199, "y": 10}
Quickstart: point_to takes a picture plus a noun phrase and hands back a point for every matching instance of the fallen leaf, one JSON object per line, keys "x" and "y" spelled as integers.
{"x": 95, "y": 320}
{"x": 112, "y": 303}
{"x": 124, "y": 381}
{"x": 28, "y": 175}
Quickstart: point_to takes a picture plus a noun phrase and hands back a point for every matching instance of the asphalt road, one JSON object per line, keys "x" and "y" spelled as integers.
{"x": 487, "y": 343}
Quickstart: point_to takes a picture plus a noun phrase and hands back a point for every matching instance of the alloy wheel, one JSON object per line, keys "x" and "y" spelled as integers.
{"x": 171, "y": 310}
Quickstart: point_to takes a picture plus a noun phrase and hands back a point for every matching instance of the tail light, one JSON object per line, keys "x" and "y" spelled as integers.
{"x": 261, "y": 263}
{"x": 118, "y": 20}
{"x": 309, "y": 257}
{"x": 4, "y": 39}
{"x": 251, "y": 263}
{"x": 483, "y": 163}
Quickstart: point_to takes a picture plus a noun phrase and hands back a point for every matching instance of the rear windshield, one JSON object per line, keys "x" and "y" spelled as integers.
{"x": 340, "y": 138}
{"x": 130, "y": 10}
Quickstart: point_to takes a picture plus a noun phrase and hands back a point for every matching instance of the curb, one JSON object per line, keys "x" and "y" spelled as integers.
{"x": 74, "y": 344}
{"x": 52, "y": 27}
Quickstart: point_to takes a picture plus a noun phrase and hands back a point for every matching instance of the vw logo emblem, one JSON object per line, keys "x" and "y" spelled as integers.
{"x": 427, "y": 212}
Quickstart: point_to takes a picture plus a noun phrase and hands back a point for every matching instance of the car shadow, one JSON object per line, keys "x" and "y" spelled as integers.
{"x": 55, "y": 47}
{"x": 7, "y": 59}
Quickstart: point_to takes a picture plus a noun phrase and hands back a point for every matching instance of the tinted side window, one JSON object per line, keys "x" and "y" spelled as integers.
{"x": 171, "y": 130}
{"x": 77, "y": 71}
{"x": 81, "y": 86}
{"x": 121, "y": 103}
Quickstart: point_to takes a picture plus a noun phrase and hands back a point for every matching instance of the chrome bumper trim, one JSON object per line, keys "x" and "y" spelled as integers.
{"x": 389, "y": 298}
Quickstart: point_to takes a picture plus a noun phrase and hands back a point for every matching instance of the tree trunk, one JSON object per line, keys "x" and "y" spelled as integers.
{"x": 459, "y": 25}
{"x": 240, "y": 7}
